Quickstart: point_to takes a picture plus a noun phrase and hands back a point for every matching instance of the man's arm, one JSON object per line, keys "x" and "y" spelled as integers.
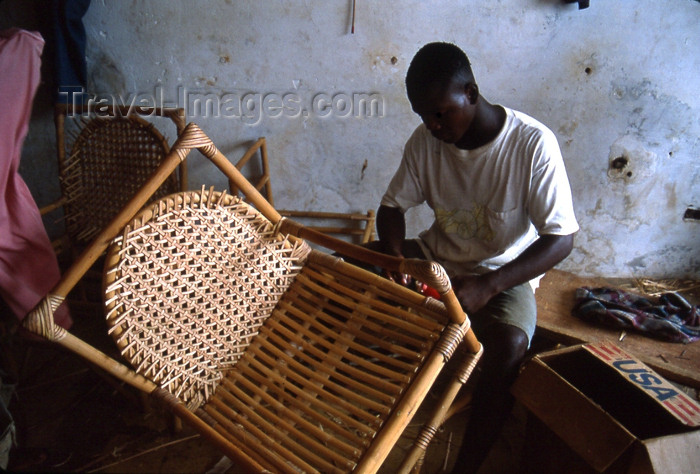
{"x": 391, "y": 229}
{"x": 543, "y": 254}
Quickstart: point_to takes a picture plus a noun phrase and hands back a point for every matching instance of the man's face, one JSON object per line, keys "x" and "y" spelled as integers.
{"x": 446, "y": 111}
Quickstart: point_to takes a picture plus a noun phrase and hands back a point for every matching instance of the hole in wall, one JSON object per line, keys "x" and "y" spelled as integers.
{"x": 619, "y": 163}
{"x": 620, "y": 167}
{"x": 692, "y": 214}
{"x": 588, "y": 71}
{"x": 394, "y": 60}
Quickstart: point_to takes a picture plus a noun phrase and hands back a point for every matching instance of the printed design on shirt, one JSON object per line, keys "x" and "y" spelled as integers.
{"x": 465, "y": 223}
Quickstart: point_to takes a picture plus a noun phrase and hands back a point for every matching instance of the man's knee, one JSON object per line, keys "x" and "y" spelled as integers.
{"x": 504, "y": 345}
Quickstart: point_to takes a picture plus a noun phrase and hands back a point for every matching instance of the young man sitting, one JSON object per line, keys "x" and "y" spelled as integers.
{"x": 496, "y": 182}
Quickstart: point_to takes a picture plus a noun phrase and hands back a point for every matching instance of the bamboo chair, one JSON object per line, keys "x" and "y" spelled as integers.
{"x": 105, "y": 154}
{"x": 103, "y": 159}
{"x": 355, "y": 226}
{"x": 288, "y": 359}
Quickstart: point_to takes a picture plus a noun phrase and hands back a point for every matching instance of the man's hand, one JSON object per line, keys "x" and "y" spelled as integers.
{"x": 473, "y": 291}
{"x": 401, "y": 278}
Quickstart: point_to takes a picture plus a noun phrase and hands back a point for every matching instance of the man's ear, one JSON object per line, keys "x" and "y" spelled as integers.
{"x": 472, "y": 91}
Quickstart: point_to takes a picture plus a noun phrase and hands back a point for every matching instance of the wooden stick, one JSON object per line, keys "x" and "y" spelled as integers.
{"x": 266, "y": 172}
{"x": 352, "y": 29}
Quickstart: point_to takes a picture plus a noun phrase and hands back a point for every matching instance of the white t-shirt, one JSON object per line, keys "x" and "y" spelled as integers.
{"x": 490, "y": 203}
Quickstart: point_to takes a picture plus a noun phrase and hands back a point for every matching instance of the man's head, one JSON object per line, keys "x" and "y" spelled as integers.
{"x": 436, "y": 65}
{"x": 441, "y": 88}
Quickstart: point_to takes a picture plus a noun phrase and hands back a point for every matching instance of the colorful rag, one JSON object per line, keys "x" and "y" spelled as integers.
{"x": 28, "y": 265}
{"x": 671, "y": 318}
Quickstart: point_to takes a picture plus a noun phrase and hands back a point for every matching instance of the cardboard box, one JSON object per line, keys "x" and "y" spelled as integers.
{"x": 609, "y": 411}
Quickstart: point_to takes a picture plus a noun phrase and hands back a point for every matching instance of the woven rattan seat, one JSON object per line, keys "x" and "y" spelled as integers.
{"x": 288, "y": 359}
{"x": 190, "y": 283}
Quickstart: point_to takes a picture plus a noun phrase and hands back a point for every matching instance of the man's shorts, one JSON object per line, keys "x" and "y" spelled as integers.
{"x": 515, "y": 306}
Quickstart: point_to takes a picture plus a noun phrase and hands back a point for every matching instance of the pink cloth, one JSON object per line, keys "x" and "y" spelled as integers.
{"x": 28, "y": 265}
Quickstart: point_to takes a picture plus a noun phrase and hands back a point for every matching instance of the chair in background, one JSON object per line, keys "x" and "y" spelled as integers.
{"x": 288, "y": 359}
{"x": 356, "y": 226}
{"x": 104, "y": 156}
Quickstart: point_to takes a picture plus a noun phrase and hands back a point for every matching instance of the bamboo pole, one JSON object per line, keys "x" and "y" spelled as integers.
{"x": 105, "y": 362}
{"x": 266, "y": 172}
{"x": 260, "y": 143}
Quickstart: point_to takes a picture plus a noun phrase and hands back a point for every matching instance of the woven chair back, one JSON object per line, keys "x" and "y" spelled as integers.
{"x": 195, "y": 275}
{"x": 106, "y": 164}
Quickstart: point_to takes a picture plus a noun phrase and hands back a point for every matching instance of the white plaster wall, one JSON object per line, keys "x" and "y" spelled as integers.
{"x": 617, "y": 79}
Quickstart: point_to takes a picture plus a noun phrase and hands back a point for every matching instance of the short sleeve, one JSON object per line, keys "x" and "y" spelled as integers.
{"x": 550, "y": 203}
{"x": 405, "y": 190}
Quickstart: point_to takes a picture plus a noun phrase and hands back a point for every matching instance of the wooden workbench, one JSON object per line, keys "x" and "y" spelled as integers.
{"x": 555, "y": 299}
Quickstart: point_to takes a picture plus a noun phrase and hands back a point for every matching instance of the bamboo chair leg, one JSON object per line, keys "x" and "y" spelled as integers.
{"x": 440, "y": 414}
{"x": 133, "y": 397}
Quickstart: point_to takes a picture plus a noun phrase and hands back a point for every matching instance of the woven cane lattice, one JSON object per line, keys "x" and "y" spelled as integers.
{"x": 196, "y": 275}
{"x": 107, "y": 163}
